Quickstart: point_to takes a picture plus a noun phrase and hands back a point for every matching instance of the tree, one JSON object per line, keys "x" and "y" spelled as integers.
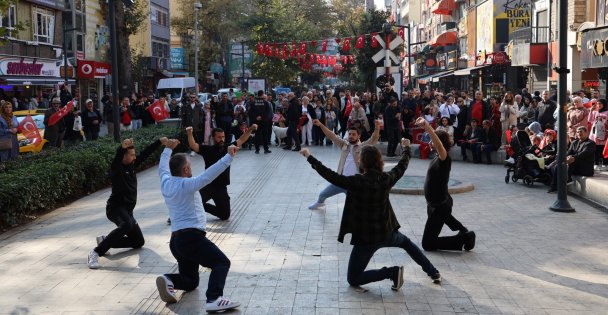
{"x": 278, "y": 21}
{"x": 371, "y": 22}
{"x": 128, "y": 21}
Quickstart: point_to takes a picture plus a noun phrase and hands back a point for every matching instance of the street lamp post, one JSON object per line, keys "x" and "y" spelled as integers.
{"x": 197, "y": 7}
{"x": 562, "y": 204}
{"x": 114, "y": 54}
{"x": 65, "y": 53}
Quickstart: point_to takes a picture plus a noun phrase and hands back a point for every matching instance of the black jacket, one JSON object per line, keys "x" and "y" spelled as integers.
{"x": 490, "y": 137}
{"x": 260, "y": 108}
{"x": 583, "y": 152}
{"x": 87, "y": 120}
{"x": 294, "y": 111}
{"x": 368, "y": 214}
{"x": 390, "y": 121}
{"x": 547, "y": 116}
{"x": 124, "y": 179}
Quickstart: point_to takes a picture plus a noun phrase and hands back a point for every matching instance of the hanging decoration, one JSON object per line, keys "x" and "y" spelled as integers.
{"x": 360, "y": 42}
{"x": 374, "y": 40}
{"x": 346, "y": 45}
{"x": 324, "y": 46}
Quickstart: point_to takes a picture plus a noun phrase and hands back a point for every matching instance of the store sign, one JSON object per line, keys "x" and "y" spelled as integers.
{"x": 452, "y": 58}
{"x": 594, "y": 44}
{"x": 28, "y": 67}
{"x": 591, "y": 84}
{"x": 177, "y": 58}
{"x": 499, "y": 58}
{"x": 89, "y": 69}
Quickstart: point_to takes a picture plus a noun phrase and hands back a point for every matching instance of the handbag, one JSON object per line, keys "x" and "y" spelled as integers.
{"x": 6, "y": 144}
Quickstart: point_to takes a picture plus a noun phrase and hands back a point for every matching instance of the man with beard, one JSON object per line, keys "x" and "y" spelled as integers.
{"x": 349, "y": 159}
{"x": 218, "y": 189}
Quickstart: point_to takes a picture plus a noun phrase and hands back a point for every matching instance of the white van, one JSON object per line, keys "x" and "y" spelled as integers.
{"x": 175, "y": 87}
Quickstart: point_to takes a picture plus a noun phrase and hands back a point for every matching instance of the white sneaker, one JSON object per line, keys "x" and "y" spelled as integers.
{"x": 192, "y": 153}
{"x": 596, "y": 167}
{"x": 316, "y": 206}
{"x": 510, "y": 161}
{"x": 93, "y": 260}
{"x": 100, "y": 239}
{"x": 221, "y": 304}
{"x": 166, "y": 289}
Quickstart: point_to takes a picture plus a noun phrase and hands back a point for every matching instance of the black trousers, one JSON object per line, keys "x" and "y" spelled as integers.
{"x": 191, "y": 248}
{"x": 292, "y": 134}
{"x": 127, "y": 234}
{"x": 438, "y": 215}
{"x": 261, "y": 136}
{"x": 393, "y": 139}
{"x": 220, "y": 197}
{"x": 227, "y": 127}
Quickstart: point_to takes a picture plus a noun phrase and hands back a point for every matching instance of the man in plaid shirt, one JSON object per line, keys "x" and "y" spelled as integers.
{"x": 369, "y": 216}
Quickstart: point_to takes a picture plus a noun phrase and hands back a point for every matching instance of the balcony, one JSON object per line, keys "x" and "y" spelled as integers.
{"x": 531, "y": 35}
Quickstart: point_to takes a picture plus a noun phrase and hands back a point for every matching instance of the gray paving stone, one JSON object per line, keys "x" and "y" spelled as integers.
{"x": 286, "y": 259}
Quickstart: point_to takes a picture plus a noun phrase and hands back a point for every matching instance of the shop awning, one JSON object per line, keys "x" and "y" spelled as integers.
{"x": 444, "y": 7}
{"x": 448, "y": 38}
{"x": 424, "y": 80}
{"x": 467, "y": 71}
{"x": 440, "y": 75}
{"x": 24, "y": 80}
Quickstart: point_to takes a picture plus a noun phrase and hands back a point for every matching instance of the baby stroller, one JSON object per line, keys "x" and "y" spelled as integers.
{"x": 527, "y": 166}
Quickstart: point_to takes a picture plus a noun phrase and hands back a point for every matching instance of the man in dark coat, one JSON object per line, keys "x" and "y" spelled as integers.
{"x": 392, "y": 117}
{"x": 258, "y": 114}
{"x": 580, "y": 159}
{"x": 294, "y": 112}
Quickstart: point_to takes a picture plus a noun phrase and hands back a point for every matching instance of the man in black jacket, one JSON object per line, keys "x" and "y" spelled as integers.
{"x": 294, "y": 112}
{"x": 121, "y": 203}
{"x": 488, "y": 142}
{"x": 224, "y": 115}
{"x": 369, "y": 216}
{"x": 392, "y": 118}
{"x": 471, "y": 135}
{"x": 258, "y": 114}
{"x": 580, "y": 159}
{"x": 546, "y": 108}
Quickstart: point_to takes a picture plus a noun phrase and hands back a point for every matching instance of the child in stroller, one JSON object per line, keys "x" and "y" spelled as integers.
{"x": 528, "y": 164}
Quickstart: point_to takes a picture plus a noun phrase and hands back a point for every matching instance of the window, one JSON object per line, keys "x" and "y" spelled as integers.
{"x": 159, "y": 16}
{"x": 9, "y": 19}
{"x": 160, "y": 50}
{"x": 44, "y": 25}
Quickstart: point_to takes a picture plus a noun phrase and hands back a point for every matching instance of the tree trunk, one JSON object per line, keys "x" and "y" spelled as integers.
{"x": 125, "y": 84}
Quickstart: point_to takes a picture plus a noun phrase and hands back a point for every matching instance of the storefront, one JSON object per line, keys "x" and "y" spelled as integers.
{"x": 92, "y": 80}
{"x": 594, "y": 58}
{"x": 26, "y": 77}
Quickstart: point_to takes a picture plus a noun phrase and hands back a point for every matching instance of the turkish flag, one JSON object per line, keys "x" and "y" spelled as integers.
{"x": 158, "y": 111}
{"x": 344, "y": 60}
{"x": 348, "y": 108}
{"x": 605, "y": 152}
{"x": 284, "y": 55}
{"x": 346, "y": 44}
{"x": 338, "y": 40}
{"x": 352, "y": 59}
{"x": 324, "y": 60}
{"x": 303, "y": 47}
{"x": 402, "y": 33}
{"x": 276, "y": 50}
{"x": 260, "y": 48}
{"x": 62, "y": 112}
{"x": 294, "y": 50}
{"x": 29, "y": 129}
{"x": 360, "y": 42}
{"x": 374, "y": 40}
{"x": 324, "y": 46}
{"x": 268, "y": 51}
{"x": 314, "y": 44}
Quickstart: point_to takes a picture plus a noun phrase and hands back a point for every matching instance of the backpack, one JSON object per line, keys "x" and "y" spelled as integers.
{"x": 599, "y": 128}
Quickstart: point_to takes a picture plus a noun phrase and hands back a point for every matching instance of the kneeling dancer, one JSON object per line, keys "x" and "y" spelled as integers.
{"x": 438, "y": 199}
{"x": 121, "y": 203}
{"x": 369, "y": 216}
{"x": 189, "y": 244}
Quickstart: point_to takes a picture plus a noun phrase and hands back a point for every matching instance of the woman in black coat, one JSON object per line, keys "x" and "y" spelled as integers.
{"x": 91, "y": 121}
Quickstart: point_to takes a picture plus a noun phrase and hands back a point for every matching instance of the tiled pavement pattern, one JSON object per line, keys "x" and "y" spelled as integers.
{"x": 286, "y": 260}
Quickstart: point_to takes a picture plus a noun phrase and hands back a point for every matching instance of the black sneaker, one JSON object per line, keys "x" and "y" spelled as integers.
{"x": 267, "y": 151}
{"x": 436, "y": 278}
{"x": 297, "y": 149}
{"x": 397, "y": 279}
{"x": 257, "y": 151}
{"x": 287, "y": 148}
{"x": 469, "y": 243}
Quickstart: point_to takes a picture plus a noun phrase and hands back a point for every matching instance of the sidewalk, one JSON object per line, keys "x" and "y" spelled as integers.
{"x": 286, "y": 259}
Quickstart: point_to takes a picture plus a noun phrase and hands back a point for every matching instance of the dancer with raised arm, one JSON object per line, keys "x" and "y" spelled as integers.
{"x": 189, "y": 244}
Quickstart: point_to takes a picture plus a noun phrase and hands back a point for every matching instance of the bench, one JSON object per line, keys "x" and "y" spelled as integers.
{"x": 591, "y": 188}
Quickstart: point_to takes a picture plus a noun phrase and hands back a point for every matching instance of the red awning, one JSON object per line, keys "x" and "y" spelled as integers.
{"x": 444, "y": 7}
{"x": 448, "y": 38}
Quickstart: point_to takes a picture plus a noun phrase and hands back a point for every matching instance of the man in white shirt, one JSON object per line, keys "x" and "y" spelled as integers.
{"x": 349, "y": 159}
{"x": 189, "y": 244}
{"x": 450, "y": 110}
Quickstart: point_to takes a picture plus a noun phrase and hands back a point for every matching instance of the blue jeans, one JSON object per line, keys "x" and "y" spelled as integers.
{"x": 361, "y": 255}
{"x": 135, "y": 124}
{"x": 191, "y": 248}
{"x": 330, "y": 191}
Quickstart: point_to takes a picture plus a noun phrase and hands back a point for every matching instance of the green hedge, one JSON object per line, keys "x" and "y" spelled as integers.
{"x": 41, "y": 182}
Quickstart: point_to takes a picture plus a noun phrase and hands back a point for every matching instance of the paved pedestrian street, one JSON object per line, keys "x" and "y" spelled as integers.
{"x": 286, "y": 259}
